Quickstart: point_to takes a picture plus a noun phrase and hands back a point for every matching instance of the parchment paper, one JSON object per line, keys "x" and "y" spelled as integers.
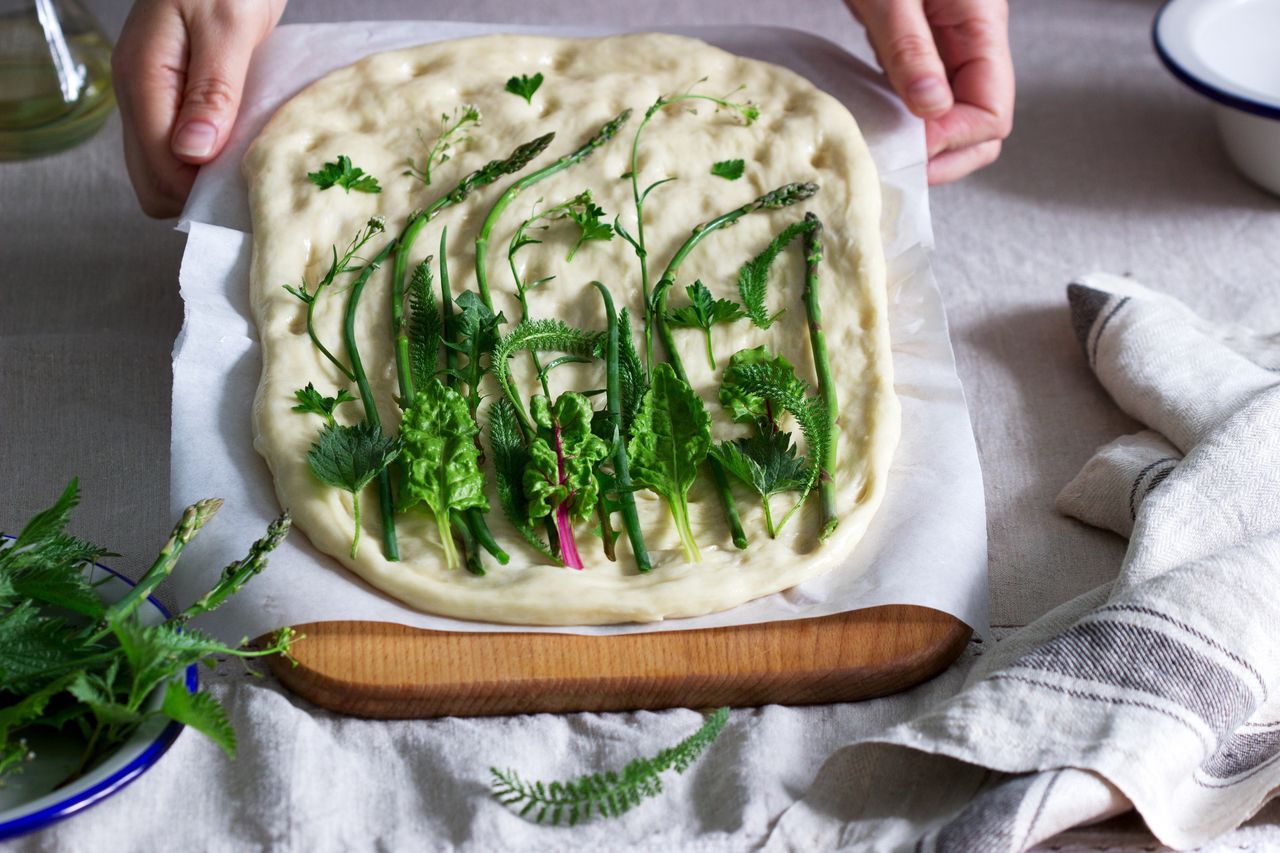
{"x": 925, "y": 546}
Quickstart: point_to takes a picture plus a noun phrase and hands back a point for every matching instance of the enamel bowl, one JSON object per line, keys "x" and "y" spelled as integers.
{"x": 30, "y": 800}
{"x": 1229, "y": 51}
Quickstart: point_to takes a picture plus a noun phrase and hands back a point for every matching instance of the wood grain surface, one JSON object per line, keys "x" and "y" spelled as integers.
{"x": 384, "y": 670}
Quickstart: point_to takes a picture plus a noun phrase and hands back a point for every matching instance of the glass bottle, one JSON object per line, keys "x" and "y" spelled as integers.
{"x": 55, "y": 77}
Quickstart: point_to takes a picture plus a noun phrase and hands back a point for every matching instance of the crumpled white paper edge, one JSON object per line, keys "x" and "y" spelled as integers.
{"x": 926, "y": 545}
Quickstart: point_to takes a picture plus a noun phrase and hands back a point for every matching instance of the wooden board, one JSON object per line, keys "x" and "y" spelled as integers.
{"x": 384, "y": 670}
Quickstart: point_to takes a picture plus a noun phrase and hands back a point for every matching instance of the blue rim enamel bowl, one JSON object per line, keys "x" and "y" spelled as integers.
{"x": 1229, "y": 51}
{"x": 28, "y": 798}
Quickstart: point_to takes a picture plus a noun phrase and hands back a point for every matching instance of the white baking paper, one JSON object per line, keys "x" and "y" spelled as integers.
{"x": 925, "y": 546}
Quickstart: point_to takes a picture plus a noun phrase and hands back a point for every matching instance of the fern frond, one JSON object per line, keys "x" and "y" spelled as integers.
{"x": 424, "y": 325}
{"x": 509, "y": 458}
{"x": 753, "y": 277}
{"x": 540, "y": 336}
{"x": 607, "y": 794}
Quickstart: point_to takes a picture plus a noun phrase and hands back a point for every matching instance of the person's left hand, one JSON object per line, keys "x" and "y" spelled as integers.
{"x": 949, "y": 61}
{"x": 179, "y": 69}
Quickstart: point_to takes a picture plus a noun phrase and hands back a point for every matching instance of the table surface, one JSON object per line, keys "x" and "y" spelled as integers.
{"x": 1112, "y": 166}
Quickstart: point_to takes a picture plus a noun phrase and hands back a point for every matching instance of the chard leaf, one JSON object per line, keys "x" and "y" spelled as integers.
{"x": 563, "y": 457}
{"x": 441, "y": 459}
{"x": 671, "y": 436}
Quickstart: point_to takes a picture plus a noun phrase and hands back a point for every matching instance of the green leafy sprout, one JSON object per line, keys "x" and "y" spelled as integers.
{"x": 348, "y": 458}
{"x": 524, "y": 86}
{"x": 454, "y": 131}
{"x": 603, "y": 795}
{"x": 343, "y": 174}
{"x": 703, "y": 312}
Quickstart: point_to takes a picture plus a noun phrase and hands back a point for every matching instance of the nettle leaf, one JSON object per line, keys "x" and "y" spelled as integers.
{"x": 312, "y": 402}
{"x": 349, "y": 457}
{"x": 60, "y": 584}
{"x": 563, "y": 457}
{"x": 753, "y": 276}
{"x": 765, "y": 461}
{"x": 477, "y": 330}
{"x": 202, "y": 712}
{"x": 671, "y": 436}
{"x": 35, "y": 649}
{"x": 730, "y": 170}
{"x": 441, "y": 459}
{"x": 524, "y": 86}
{"x": 50, "y": 522}
{"x": 343, "y": 174}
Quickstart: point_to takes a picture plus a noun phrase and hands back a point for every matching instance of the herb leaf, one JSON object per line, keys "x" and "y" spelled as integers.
{"x": 730, "y": 170}
{"x": 607, "y": 794}
{"x": 424, "y": 325}
{"x": 454, "y": 130}
{"x": 203, "y": 713}
{"x": 343, "y": 174}
{"x": 703, "y": 312}
{"x": 348, "y": 457}
{"x": 441, "y": 459}
{"x": 587, "y": 217}
{"x": 312, "y": 402}
{"x": 753, "y": 277}
{"x": 509, "y": 459}
{"x": 671, "y": 436}
{"x": 524, "y": 86}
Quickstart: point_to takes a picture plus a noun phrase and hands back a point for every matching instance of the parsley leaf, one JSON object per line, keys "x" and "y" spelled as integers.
{"x": 312, "y": 402}
{"x": 524, "y": 85}
{"x": 767, "y": 462}
{"x": 343, "y": 174}
{"x": 587, "y": 217}
{"x": 348, "y": 457}
{"x": 730, "y": 170}
{"x": 703, "y": 312}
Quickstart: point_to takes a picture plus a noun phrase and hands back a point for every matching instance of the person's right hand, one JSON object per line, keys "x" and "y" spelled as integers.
{"x": 949, "y": 61}
{"x": 179, "y": 69}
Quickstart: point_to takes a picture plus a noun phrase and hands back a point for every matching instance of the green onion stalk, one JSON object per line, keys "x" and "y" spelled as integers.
{"x": 621, "y": 468}
{"x": 822, "y": 369}
{"x": 386, "y": 503}
{"x": 783, "y": 196}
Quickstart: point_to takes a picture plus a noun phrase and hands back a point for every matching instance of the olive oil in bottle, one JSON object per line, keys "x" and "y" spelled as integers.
{"x": 55, "y": 77}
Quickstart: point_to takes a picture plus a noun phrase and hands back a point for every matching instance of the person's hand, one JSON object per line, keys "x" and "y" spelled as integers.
{"x": 179, "y": 69}
{"x": 949, "y": 61}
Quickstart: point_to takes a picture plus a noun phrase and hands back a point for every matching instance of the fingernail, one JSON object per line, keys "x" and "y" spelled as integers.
{"x": 195, "y": 139}
{"x": 928, "y": 95}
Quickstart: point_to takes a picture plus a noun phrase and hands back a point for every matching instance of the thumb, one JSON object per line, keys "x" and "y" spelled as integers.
{"x": 900, "y": 34}
{"x": 216, "y": 67}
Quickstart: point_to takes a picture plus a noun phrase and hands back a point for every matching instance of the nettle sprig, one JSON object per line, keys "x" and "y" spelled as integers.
{"x": 603, "y": 795}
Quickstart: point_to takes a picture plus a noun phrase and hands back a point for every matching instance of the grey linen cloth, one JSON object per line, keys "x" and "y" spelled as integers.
{"x": 1158, "y": 690}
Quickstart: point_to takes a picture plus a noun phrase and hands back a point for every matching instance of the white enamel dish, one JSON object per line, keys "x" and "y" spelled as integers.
{"x": 29, "y": 799}
{"x": 1229, "y": 51}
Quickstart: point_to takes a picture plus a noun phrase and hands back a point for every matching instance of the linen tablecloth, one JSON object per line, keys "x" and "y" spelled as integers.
{"x": 1112, "y": 165}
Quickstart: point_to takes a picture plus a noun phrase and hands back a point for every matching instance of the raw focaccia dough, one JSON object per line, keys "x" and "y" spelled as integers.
{"x": 372, "y": 111}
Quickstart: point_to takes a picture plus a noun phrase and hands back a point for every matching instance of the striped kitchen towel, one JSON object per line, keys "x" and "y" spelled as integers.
{"x": 1159, "y": 691}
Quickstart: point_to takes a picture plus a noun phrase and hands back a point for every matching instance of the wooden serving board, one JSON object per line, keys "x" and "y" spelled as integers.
{"x": 384, "y": 670}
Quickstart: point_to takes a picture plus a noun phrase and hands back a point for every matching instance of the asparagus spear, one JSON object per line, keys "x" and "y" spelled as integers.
{"x": 603, "y": 135}
{"x": 621, "y": 469}
{"x": 822, "y": 369}
{"x": 193, "y": 518}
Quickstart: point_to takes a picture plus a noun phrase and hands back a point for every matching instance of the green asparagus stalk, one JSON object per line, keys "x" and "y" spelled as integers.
{"x": 621, "y": 468}
{"x": 602, "y": 136}
{"x": 193, "y": 518}
{"x": 822, "y": 370}
{"x": 241, "y": 571}
{"x": 386, "y": 502}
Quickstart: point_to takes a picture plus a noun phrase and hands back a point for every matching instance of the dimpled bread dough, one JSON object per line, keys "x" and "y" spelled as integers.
{"x": 373, "y": 110}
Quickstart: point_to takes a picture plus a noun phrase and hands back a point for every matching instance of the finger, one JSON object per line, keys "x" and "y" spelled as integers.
{"x": 951, "y": 165}
{"x": 222, "y": 40}
{"x": 964, "y": 125}
{"x": 974, "y": 44}
{"x": 904, "y": 44}
{"x": 147, "y": 73}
